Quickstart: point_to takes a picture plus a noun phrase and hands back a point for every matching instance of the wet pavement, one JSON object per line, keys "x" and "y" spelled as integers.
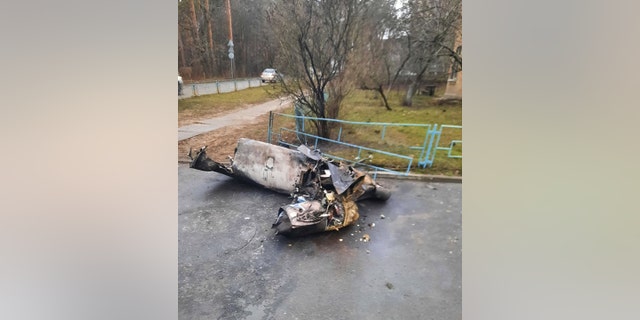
{"x": 232, "y": 266}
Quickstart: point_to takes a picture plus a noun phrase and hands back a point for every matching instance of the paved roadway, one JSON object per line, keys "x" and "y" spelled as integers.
{"x": 219, "y": 86}
{"x": 236, "y": 118}
{"x": 232, "y": 266}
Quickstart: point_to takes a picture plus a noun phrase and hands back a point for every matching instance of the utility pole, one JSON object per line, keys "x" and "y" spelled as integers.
{"x": 231, "y": 54}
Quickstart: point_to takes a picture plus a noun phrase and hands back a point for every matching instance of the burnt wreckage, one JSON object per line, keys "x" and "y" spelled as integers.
{"x": 324, "y": 192}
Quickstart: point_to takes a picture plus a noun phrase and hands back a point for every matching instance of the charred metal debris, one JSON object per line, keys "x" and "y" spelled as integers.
{"x": 323, "y": 191}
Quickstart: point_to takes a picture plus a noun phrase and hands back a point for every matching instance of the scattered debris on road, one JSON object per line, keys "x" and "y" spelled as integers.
{"x": 324, "y": 191}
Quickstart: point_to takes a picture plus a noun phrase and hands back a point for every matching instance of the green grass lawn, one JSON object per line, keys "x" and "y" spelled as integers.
{"x": 362, "y": 106}
{"x": 367, "y": 106}
{"x": 213, "y": 104}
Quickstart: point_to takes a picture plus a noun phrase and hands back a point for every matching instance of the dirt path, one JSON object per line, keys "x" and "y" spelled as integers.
{"x": 221, "y": 133}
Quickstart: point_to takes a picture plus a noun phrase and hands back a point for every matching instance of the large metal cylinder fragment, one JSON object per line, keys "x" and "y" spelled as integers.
{"x": 324, "y": 191}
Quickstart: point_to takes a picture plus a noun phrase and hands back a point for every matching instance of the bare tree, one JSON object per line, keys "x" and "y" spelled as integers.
{"x": 322, "y": 46}
{"x": 405, "y": 44}
{"x": 210, "y": 51}
{"x": 189, "y": 43}
{"x": 373, "y": 67}
{"x": 316, "y": 40}
{"x": 253, "y": 37}
{"x": 183, "y": 61}
{"x": 431, "y": 27}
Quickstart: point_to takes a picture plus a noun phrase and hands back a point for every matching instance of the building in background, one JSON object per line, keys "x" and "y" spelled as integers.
{"x": 454, "y": 83}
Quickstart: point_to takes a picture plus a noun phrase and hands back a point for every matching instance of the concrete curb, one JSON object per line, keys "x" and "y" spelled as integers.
{"x": 420, "y": 177}
{"x": 414, "y": 177}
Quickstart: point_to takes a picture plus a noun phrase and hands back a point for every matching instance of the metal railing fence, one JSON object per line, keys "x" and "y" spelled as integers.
{"x": 296, "y": 131}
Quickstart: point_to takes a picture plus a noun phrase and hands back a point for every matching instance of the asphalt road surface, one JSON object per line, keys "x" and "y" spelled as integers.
{"x": 232, "y": 266}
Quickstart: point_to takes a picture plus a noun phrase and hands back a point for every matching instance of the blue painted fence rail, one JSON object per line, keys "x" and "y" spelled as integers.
{"x": 427, "y": 152}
